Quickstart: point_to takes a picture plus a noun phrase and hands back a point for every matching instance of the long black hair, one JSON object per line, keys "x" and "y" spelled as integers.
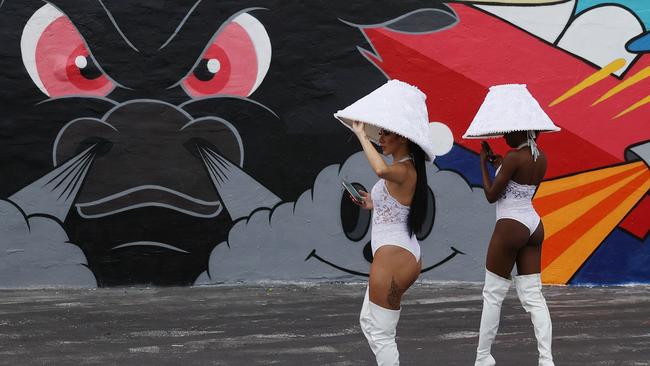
{"x": 420, "y": 202}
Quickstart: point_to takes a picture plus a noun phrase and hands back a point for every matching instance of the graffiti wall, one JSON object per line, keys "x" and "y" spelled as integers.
{"x": 151, "y": 143}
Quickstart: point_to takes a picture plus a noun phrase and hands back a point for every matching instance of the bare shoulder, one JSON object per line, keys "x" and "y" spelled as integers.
{"x": 512, "y": 157}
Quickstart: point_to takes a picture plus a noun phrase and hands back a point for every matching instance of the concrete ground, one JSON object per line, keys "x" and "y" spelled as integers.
{"x": 308, "y": 325}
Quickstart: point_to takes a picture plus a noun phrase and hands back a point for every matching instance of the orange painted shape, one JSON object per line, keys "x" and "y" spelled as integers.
{"x": 561, "y": 219}
{"x": 553, "y": 186}
{"x": 564, "y": 267}
{"x": 556, "y": 201}
{"x": 559, "y": 242}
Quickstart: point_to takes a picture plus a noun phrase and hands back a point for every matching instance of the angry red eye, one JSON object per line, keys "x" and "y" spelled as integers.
{"x": 235, "y": 63}
{"x": 57, "y": 58}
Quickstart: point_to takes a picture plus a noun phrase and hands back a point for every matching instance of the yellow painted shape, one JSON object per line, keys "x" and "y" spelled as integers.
{"x": 639, "y": 76}
{"x": 558, "y": 220}
{"x": 591, "y": 80}
{"x": 562, "y": 184}
{"x": 634, "y": 106}
{"x": 565, "y": 266}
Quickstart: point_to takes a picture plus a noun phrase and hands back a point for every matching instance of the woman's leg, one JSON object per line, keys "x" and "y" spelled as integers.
{"x": 508, "y": 236}
{"x": 529, "y": 289}
{"x": 392, "y": 272}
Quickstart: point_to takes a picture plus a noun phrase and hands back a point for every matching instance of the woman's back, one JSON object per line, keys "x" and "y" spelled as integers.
{"x": 528, "y": 171}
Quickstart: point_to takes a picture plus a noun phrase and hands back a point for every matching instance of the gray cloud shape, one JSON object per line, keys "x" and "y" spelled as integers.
{"x": 35, "y": 252}
{"x": 272, "y": 244}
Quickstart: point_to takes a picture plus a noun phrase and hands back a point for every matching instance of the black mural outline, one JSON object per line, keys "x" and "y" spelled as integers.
{"x": 427, "y": 269}
{"x": 227, "y": 96}
{"x": 647, "y": 163}
{"x": 634, "y": 39}
{"x": 365, "y": 53}
{"x": 634, "y": 61}
{"x": 344, "y": 196}
{"x": 387, "y": 23}
{"x": 207, "y": 46}
{"x": 433, "y": 217}
{"x": 496, "y": 3}
{"x": 554, "y": 44}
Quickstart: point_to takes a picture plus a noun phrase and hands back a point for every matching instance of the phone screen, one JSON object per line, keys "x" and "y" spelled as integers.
{"x": 350, "y": 188}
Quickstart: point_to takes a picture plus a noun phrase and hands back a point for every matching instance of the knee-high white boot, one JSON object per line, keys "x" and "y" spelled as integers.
{"x": 529, "y": 290}
{"x": 494, "y": 291}
{"x": 379, "y": 326}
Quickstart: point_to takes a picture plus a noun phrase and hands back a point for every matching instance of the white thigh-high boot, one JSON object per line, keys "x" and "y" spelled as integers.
{"x": 529, "y": 290}
{"x": 494, "y": 291}
{"x": 379, "y": 326}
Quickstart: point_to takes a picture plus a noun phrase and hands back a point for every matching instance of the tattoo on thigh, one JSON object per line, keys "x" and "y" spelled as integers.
{"x": 394, "y": 294}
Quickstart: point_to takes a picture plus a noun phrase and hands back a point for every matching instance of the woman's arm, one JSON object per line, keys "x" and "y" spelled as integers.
{"x": 395, "y": 173}
{"x": 493, "y": 189}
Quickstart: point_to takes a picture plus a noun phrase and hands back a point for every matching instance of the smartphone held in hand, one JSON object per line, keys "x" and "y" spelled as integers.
{"x": 352, "y": 191}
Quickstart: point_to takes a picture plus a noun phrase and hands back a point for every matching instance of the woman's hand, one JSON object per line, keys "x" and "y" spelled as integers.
{"x": 366, "y": 203}
{"x": 486, "y": 151}
{"x": 358, "y": 128}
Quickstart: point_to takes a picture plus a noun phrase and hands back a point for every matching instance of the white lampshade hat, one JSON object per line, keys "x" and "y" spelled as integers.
{"x": 400, "y": 108}
{"x": 509, "y": 108}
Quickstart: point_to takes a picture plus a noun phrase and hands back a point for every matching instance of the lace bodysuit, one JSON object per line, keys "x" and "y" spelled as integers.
{"x": 389, "y": 222}
{"x": 516, "y": 203}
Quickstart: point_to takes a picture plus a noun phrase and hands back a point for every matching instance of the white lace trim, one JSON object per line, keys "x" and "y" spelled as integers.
{"x": 518, "y": 191}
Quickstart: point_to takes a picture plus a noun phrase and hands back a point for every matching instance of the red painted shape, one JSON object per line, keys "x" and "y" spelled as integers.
{"x": 456, "y": 66}
{"x": 235, "y": 51}
{"x": 637, "y": 222}
{"x": 56, "y": 51}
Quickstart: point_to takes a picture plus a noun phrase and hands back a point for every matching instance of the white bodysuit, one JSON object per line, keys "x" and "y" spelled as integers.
{"x": 389, "y": 222}
{"x": 516, "y": 203}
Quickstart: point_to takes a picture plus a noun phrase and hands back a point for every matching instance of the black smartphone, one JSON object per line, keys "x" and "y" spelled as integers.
{"x": 490, "y": 153}
{"x": 353, "y": 192}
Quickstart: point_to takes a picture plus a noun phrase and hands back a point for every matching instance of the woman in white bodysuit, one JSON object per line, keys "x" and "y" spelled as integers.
{"x": 399, "y": 204}
{"x": 517, "y": 239}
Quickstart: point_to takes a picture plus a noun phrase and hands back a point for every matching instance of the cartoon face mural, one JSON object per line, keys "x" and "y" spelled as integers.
{"x": 145, "y": 129}
{"x": 146, "y": 142}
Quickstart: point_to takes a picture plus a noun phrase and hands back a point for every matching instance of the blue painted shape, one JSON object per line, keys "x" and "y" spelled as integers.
{"x": 620, "y": 259}
{"x": 640, "y": 44}
{"x": 465, "y": 162}
{"x": 640, "y": 7}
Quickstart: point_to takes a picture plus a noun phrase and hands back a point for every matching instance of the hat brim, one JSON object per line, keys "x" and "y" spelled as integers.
{"x": 372, "y": 131}
{"x": 493, "y": 135}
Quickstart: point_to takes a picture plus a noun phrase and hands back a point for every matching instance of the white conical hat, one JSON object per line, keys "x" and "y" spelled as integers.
{"x": 508, "y": 108}
{"x": 400, "y": 108}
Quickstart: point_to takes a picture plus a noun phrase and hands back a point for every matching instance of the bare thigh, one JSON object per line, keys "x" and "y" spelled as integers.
{"x": 392, "y": 272}
{"x": 508, "y": 238}
{"x": 529, "y": 258}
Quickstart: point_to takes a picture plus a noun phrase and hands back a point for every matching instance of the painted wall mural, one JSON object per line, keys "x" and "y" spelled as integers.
{"x": 145, "y": 143}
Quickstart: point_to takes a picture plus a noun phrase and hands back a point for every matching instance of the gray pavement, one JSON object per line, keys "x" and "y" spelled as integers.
{"x": 308, "y": 325}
